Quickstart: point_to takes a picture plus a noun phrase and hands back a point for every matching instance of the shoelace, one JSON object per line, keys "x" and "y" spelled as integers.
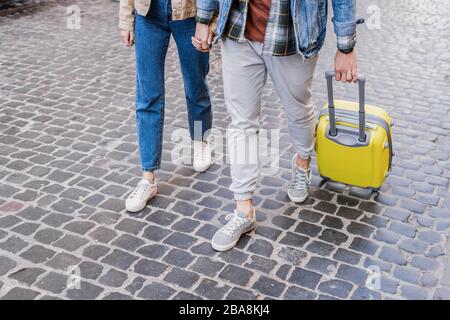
{"x": 234, "y": 223}
{"x": 301, "y": 180}
{"x": 140, "y": 189}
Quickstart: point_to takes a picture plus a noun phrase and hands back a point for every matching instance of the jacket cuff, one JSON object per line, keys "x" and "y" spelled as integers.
{"x": 204, "y": 16}
{"x": 346, "y": 34}
{"x": 126, "y": 25}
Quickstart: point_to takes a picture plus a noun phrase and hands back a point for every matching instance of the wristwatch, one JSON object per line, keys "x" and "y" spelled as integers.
{"x": 346, "y": 51}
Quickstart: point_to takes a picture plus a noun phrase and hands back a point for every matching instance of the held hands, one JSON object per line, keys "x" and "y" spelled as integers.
{"x": 202, "y": 40}
{"x": 345, "y": 66}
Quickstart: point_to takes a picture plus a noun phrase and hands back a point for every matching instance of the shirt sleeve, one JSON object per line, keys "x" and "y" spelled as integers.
{"x": 126, "y": 15}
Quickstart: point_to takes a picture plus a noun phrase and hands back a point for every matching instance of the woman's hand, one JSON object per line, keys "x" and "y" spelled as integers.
{"x": 127, "y": 38}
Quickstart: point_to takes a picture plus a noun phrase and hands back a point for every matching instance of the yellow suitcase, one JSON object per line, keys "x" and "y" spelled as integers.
{"x": 353, "y": 142}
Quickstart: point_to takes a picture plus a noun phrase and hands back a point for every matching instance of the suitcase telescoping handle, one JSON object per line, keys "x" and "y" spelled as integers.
{"x": 362, "y": 113}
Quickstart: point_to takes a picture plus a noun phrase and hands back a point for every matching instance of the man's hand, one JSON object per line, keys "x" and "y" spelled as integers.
{"x": 127, "y": 37}
{"x": 345, "y": 66}
{"x": 203, "y": 37}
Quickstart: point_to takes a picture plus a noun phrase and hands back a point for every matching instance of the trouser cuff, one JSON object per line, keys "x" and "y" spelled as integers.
{"x": 243, "y": 196}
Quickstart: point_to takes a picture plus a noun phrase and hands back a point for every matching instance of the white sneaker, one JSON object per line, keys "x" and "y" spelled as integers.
{"x": 143, "y": 192}
{"x": 202, "y": 156}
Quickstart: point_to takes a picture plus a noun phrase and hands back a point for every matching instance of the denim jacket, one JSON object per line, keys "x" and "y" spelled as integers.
{"x": 309, "y": 18}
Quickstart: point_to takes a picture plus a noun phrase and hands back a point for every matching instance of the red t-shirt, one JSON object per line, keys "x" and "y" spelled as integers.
{"x": 257, "y": 18}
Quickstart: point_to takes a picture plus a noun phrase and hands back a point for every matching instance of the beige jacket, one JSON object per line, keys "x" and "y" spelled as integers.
{"x": 181, "y": 9}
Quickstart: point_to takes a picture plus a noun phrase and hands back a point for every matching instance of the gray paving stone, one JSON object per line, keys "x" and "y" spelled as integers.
{"x": 86, "y": 291}
{"x": 13, "y": 244}
{"x": 6, "y": 265}
{"x": 322, "y": 265}
{"x": 38, "y": 254}
{"x": 211, "y": 289}
{"x": 297, "y": 293}
{"x": 70, "y": 242}
{"x": 113, "y": 278}
{"x": 120, "y": 259}
{"x": 128, "y": 242}
{"x": 26, "y": 276}
{"x": 53, "y": 282}
{"x": 305, "y": 278}
{"x": 413, "y": 246}
{"x": 32, "y": 213}
{"x": 413, "y": 292}
{"x": 363, "y": 245}
{"x": 95, "y": 251}
{"x": 20, "y": 294}
{"x": 333, "y": 236}
{"x": 156, "y": 291}
{"x": 63, "y": 261}
{"x": 90, "y": 270}
{"x": 182, "y": 278}
{"x": 180, "y": 240}
{"x": 338, "y": 288}
{"x": 236, "y": 275}
{"x": 103, "y": 234}
{"x": 153, "y": 251}
{"x": 321, "y": 248}
{"x": 149, "y": 267}
{"x": 269, "y": 286}
{"x": 394, "y": 255}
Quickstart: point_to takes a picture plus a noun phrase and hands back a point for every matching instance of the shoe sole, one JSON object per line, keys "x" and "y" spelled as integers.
{"x": 233, "y": 244}
{"x": 294, "y": 199}
{"x": 200, "y": 170}
{"x": 151, "y": 195}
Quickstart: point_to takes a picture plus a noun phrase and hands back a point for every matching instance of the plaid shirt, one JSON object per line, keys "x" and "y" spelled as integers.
{"x": 279, "y": 39}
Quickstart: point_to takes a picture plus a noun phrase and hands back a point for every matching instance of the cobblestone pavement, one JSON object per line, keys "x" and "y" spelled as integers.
{"x": 68, "y": 160}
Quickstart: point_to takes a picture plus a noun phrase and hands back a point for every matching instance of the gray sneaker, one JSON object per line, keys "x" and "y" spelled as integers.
{"x": 226, "y": 237}
{"x": 301, "y": 179}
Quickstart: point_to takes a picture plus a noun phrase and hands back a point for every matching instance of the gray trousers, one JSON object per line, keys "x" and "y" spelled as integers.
{"x": 245, "y": 71}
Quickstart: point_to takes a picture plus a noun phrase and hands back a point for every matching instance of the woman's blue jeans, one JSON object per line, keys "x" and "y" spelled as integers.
{"x": 152, "y": 34}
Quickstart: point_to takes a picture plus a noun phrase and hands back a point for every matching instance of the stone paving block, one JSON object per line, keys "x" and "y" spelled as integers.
{"x": 63, "y": 261}
{"x": 211, "y": 289}
{"x": 305, "y": 278}
{"x": 27, "y": 276}
{"x": 95, "y": 251}
{"x": 337, "y": 288}
{"x": 182, "y": 278}
{"x": 113, "y": 278}
{"x": 178, "y": 258}
{"x": 119, "y": 259}
{"x": 156, "y": 291}
{"x": 90, "y": 270}
{"x": 70, "y": 242}
{"x": 236, "y": 275}
{"x": 38, "y": 254}
{"x": 20, "y": 294}
{"x": 149, "y": 267}
{"x": 53, "y": 282}
{"x": 86, "y": 291}
{"x": 6, "y": 265}
{"x": 269, "y": 286}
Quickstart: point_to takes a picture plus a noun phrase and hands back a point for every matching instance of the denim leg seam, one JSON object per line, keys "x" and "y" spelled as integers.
{"x": 162, "y": 103}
